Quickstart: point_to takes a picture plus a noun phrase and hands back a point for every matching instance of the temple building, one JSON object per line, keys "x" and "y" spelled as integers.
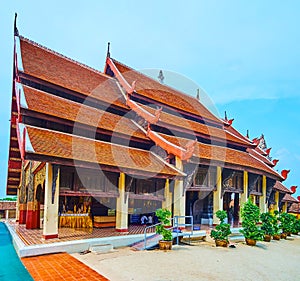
{"x": 100, "y": 149}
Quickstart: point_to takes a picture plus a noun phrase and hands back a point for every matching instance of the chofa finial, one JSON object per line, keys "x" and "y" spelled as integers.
{"x": 108, "y": 52}
{"x": 16, "y": 31}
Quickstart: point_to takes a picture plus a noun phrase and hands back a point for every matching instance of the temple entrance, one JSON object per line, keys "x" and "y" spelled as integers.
{"x": 231, "y": 204}
{"x": 199, "y": 204}
{"x": 39, "y": 200}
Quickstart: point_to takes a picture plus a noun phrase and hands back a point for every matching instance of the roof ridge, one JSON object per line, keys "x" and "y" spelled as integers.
{"x": 165, "y": 85}
{"x": 63, "y": 56}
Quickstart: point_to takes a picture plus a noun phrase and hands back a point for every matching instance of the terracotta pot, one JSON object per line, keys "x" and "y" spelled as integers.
{"x": 165, "y": 245}
{"x": 283, "y": 235}
{"x": 267, "y": 238}
{"x": 221, "y": 243}
{"x": 276, "y": 237}
{"x": 250, "y": 242}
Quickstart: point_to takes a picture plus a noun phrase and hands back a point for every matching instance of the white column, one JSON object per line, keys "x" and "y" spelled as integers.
{"x": 262, "y": 198}
{"x": 179, "y": 195}
{"x": 218, "y": 201}
{"x": 167, "y": 203}
{"x": 122, "y": 207}
{"x": 6, "y": 214}
{"x": 50, "y": 227}
{"x": 244, "y": 195}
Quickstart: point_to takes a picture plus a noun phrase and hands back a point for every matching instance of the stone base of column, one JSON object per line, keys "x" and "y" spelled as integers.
{"x": 22, "y": 213}
{"x": 50, "y": 236}
{"x": 122, "y": 230}
{"x": 32, "y": 217}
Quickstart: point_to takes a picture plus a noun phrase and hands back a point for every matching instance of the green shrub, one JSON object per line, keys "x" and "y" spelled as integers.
{"x": 164, "y": 216}
{"x": 250, "y": 218}
{"x": 267, "y": 225}
{"x": 222, "y": 230}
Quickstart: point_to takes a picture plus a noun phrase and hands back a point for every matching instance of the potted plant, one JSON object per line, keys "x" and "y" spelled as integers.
{"x": 222, "y": 231}
{"x": 164, "y": 229}
{"x": 296, "y": 224}
{"x": 250, "y": 218}
{"x": 286, "y": 224}
{"x": 267, "y": 226}
{"x": 276, "y": 234}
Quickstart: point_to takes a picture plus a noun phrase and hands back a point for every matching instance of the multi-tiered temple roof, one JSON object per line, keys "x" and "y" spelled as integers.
{"x": 65, "y": 112}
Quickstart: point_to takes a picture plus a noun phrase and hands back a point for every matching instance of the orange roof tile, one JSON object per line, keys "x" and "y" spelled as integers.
{"x": 281, "y": 188}
{"x": 181, "y": 122}
{"x": 55, "y": 68}
{"x": 224, "y": 155}
{"x": 289, "y": 198}
{"x": 65, "y": 146}
{"x": 295, "y": 208}
{"x": 154, "y": 90}
{"x": 42, "y": 102}
{"x": 260, "y": 157}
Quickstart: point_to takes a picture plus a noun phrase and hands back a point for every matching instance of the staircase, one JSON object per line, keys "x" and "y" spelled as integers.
{"x": 236, "y": 236}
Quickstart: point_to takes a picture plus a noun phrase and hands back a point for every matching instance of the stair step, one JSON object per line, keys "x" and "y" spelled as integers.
{"x": 100, "y": 249}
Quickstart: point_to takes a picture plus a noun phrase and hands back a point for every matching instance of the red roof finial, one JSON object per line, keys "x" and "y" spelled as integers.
{"x": 284, "y": 173}
{"x": 268, "y": 150}
{"x": 294, "y": 188}
{"x": 230, "y": 121}
{"x": 275, "y": 161}
{"x": 298, "y": 198}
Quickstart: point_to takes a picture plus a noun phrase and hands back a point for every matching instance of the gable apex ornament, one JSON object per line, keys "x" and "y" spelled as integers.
{"x": 16, "y": 31}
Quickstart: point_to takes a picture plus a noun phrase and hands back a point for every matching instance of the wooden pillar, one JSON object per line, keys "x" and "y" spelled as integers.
{"x": 262, "y": 198}
{"x": 22, "y": 197}
{"x": 167, "y": 203}
{"x": 17, "y": 205}
{"x": 284, "y": 207}
{"x": 122, "y": 207}
{"x": 218, "y": 198}
{"x": 179, "y": 195}
{"x": 32, "y": 215}
{"x": 50, "y": 226}
{"x": 244, "y": 195}
{"x": 276, "y": 207}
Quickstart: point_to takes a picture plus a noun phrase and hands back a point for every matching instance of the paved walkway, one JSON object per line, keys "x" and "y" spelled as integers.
{"x": 60, "y": 266}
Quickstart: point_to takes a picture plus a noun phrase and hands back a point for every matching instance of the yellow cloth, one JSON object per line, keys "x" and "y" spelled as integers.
{"x": 75, "y": 221}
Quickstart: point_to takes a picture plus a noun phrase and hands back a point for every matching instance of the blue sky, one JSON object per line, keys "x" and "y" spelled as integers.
{"x": 244, "y": 54}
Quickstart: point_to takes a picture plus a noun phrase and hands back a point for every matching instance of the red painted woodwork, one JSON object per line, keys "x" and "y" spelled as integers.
{"x": 153, "y": 119}
{"x": 268, "y": 150}
{"x": 122, "y": 230}
{"x": 33, "y": 219}
{"x": 129, "y": 89}
{"x": 22, "y": 216}
{"x": 183, "y": 154}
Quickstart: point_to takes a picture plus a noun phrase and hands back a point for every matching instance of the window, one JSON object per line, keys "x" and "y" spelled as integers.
{"x": 206, "y": 176}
